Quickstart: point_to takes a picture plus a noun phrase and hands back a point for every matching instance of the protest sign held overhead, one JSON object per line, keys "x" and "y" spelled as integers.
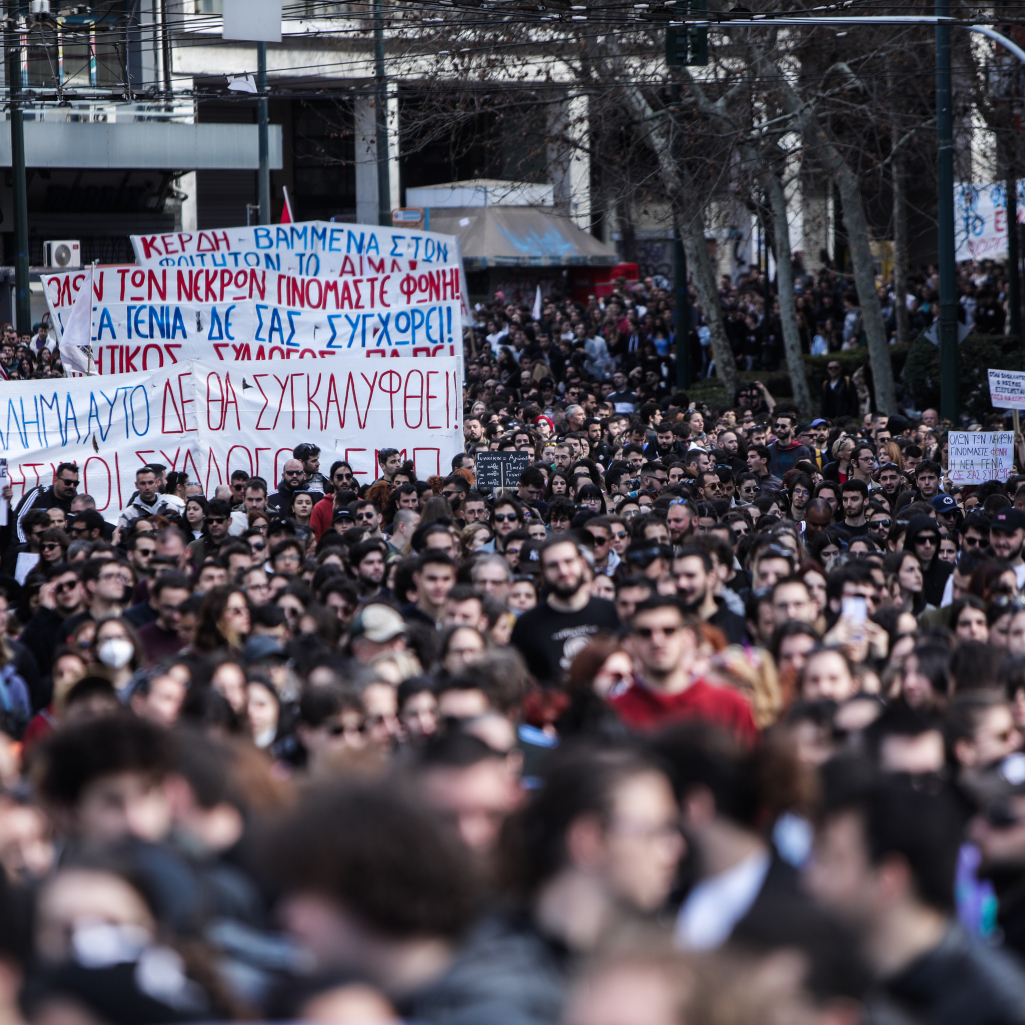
{"x": 250, "y": 416}
{"x": 1007, "y": 389}
{"x": 977, "y": 456}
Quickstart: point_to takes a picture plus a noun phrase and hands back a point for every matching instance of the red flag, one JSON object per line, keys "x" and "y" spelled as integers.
{"x": 286, "y": 210}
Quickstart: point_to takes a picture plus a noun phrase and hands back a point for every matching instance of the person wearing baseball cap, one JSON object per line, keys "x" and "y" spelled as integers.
{"x": 808, "y": 436}
{"x": 1006, "y": 537}
{"x": 377, "y": 628}
{"x": 948, "y": 511}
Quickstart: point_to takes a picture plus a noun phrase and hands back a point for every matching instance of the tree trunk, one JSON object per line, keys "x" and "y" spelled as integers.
{"x": 690, "y": 217}
{"x": 692, "y": 230}
{"x": 865, "y": 281}
{"x": 829, "y": 156}
{"x": 785, "y": 282}
{"x": 900, "y": 251}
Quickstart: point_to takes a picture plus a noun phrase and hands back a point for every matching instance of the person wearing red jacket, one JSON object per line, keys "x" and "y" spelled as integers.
{"x": 664, "y": 642}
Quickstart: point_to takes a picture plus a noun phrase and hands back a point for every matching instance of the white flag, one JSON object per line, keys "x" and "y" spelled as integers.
{"x": 76, "y": 341}
{"x": 536, "y": 313}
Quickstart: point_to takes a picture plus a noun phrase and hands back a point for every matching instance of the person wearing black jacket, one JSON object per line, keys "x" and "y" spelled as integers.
{"x": 61, "y": 493}
{"x": 886, "y": 856}
{"x": 923, "y": 539}
{"x": 839, "y": 396}
{"x": 694, "y": 573}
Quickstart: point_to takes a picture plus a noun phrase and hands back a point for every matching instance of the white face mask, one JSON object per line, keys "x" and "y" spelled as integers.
{"x": 116, "y": 653}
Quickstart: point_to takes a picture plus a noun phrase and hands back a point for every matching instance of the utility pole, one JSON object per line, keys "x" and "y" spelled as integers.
{"x": 682, "y": 313}
{"x": 22, "y": 300}
{"x": 945, "y": 218}
{"x": 381, "y": 120}
{"x": 1013, "y": 255}
{"x": 264, "y": 132}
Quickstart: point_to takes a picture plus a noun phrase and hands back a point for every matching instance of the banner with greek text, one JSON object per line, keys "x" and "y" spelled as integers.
{"x": 980, "y": 219}
{"x": 371, "y": 285}
{"x": 1007, "y": 389}
{"x": 145, "y": 336}
{"x": 978, "y": 456}
{"x": 250, "y": 416}
{"x": 310, "y": 248}
{"x": 107, "y": 428}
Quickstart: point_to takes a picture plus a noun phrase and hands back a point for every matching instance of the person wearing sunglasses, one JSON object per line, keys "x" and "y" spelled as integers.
{"x": 507, "y": 516}
{"x": 786, "y": 450}
{"x": 664, "y": 644}
{"x": 293, "y": 479}
{"x": 61, "y": 493}
{"x": 215, "y": 531}
{"x": 923, "y": 539}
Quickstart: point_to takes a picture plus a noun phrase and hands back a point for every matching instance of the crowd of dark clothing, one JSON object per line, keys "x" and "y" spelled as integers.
{"x": 715, "y": 717}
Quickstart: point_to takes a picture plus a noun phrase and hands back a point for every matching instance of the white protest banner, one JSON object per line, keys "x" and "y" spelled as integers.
{"x": 978, "y": 456}
{"x": 980, "y": 219}
{"x": 127, "y": 337}
{"x": 309, "y": 248}
{"x": 1007, "y": 389}
{"x": 250, "y": 416}
{"x": 108, "y": 429}
{"x": 362, "y": 291}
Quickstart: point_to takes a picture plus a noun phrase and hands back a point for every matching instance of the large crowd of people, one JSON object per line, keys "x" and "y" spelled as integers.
{"x": 635, "y": 325}
{"x": 715, "y": 717}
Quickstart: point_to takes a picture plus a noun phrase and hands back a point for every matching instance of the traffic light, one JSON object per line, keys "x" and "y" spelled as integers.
{"x": 687, "y": 46}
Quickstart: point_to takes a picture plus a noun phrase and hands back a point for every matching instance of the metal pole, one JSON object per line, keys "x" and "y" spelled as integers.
{"x": 22, "y": 300}
{"x": 381, "y": 120}
{"x": 945, "y": 218}
{"x": 261, "y": 106}
{"x": 1013, "y": 257}
{"x": 682, "y": 313}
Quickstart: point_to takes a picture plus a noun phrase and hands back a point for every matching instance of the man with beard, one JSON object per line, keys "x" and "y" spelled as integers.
{"x": 891, "y": 481}
{"x": 1006, "y": 536}
{"x": 367, "y": 559}
{"x": 551, "y": 633}
{"x": 694, "y": 574}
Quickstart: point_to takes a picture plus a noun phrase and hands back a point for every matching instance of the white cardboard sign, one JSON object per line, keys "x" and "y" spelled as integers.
{"x": 978, "y": 456}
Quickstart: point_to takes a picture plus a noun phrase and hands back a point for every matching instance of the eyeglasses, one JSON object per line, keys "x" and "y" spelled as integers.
{"x": 116, "y": 576}
{"x": 68, "y": 585}
{"x": 927, "y": 541}
{"x": 619, "y": 535}
{"x": 145, "y": 553}
{"x": 365, "y": 517}
{"x": 341, "y": 475}
{"x": 238, "y": 487}
{"x": 971, "y": 542}
{"x": 49, "y": 546}
{"x": 600, "y": 540}
{"x": 782, "y": 427}
{"x": 216, "y": 519}
{"x": 506, "y": 517}
{"x": 68, "y": 483}
{"x": 293, "y": 473}
{"x": 258, "y": 548}
{"x": 882, "y": 524}
{"x": 647, "y": 632}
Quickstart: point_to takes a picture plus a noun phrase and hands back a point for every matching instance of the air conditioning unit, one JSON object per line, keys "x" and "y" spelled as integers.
{"x": 64, "y": 254}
